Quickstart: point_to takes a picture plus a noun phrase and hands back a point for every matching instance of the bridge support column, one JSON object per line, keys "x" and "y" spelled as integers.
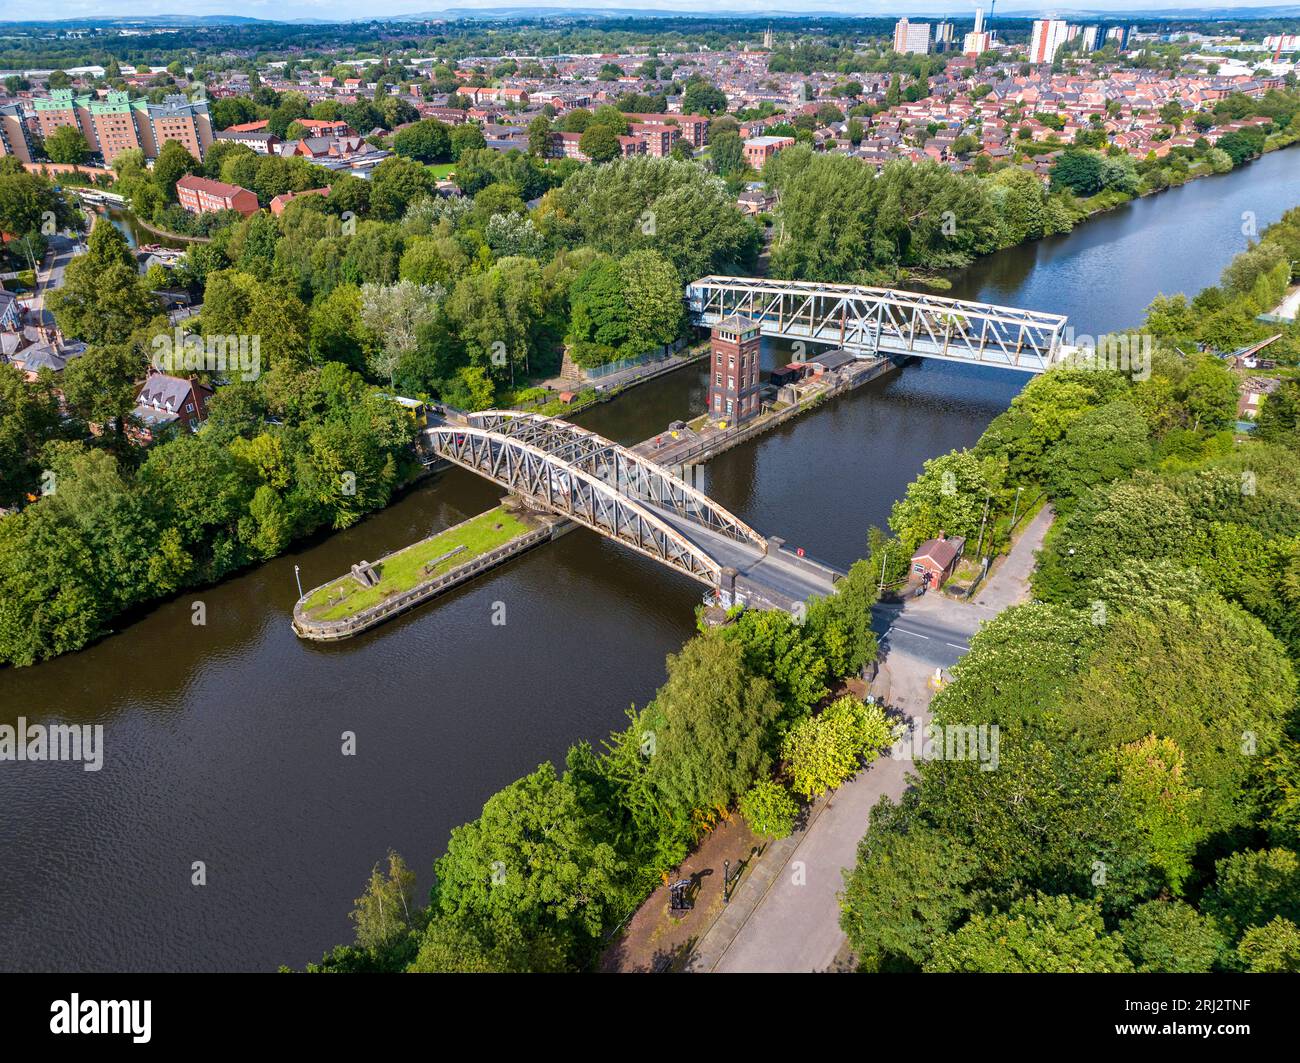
{"x": 728, "y": 587}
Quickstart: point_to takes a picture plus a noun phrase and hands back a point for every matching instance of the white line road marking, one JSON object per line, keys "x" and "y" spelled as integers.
{"x": 914, "y": 634}
{"x": 955, "y": 646}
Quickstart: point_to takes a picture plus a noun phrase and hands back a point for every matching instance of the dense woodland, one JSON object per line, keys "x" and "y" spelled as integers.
{"x": 1145, "y": 813}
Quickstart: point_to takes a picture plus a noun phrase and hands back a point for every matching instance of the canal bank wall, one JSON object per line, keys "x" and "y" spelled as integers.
{"x": 548, "y": 527}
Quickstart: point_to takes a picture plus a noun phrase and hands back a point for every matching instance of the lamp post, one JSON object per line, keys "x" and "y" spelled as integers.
{"x": 1016, "y": 509}
{"x": 726, "y": 882}
{"x": 298, "y": 579}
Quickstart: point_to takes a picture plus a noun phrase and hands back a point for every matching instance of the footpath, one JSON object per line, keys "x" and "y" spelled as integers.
{"x": 784, "y": 915}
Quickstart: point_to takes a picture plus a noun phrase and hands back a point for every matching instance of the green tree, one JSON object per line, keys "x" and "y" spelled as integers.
{"x": 905, "y": 892}
{"x": 1037, "y": 935}
{"x": 711, "y": 719}
{"x": 394, "y": 183}
{"x": 769, "y": 809}
{"x": 386, "y": 910}
{"x": 426, "y": 141}
{"x": 173, "y": 163}
{"x": 534, "y": 860}
{"x": 1170, "y": 937}
{"x": 67, "y": 145}
{"x": 823, "y": 751}
{"x": 1272, "y": 948}
{"x": 600, "y": 143}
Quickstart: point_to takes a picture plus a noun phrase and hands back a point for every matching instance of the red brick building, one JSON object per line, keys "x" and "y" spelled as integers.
{"x": 759, "y": 149}
{"x": 201, "y": 195}
{"x": 733, "y": 378}
{"x": 936, "y": 559}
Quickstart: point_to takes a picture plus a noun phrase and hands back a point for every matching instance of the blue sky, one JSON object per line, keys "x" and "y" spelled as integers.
{"x": 349, "y": 9}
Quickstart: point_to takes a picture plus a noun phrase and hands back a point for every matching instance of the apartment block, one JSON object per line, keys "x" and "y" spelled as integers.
{"x": 693, "y": 127}
{"x": 117, "y": 123}
{"x": 1046, "y": 40}
{"x": 911, "y": 38}
{"x": 14, "y": 139}
{"x": 759, "y": 149}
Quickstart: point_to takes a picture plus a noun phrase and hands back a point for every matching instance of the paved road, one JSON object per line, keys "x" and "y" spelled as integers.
{"x": 775, "y": 572}
{"x": 795, "y": 925}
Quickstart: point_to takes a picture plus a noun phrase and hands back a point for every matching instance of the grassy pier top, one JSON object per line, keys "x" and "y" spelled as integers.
{"x": 404, "y": 570}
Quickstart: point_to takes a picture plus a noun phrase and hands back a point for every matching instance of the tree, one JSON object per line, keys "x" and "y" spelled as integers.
{"x": 27, "y": 202}
{"x": 173, "y": 163}
{"x": 394, "y": 183}
{"x": 1162, "y": 802}
{"x": 1251, "y": 889}
{"x": 823, "y": 751}
{"x": 67, "y": 145}
{"x": 1103, "y": 445}
{"x": 394, "y": 314}
{"x": 906, "y": 890}
{"x": 711, "y": 719}
{"x": 532, "y": 860}
{"x": 1079, "y": 170}
{"x": 600, "y": 143}
{"x": 702, "y": 98}
{"x": 769, "y": 809}
{"x": 539, "y": 137}
{"x": 425, "y": 141}
{"x": 727, "y": 154}
{"x": 947, "y": 497}
{"x": 654, "y": 300}
{"x": 1209, "y": 393}
{"x": 386, "y": 910}
{"x": 1037, "y": 935}
{"x": 1272, "y": 948}
{"x": 1170, "y": 937}
{"x": 102, "y": 299}
{"x": 676, "y": 208}
{"x": 467, "y": 136}
{"x": 29, "y": 418}
{"x": 1210, "y": 674}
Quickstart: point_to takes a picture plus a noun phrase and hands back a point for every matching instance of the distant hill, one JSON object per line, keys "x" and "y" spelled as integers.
{"x": 534, "y": 11}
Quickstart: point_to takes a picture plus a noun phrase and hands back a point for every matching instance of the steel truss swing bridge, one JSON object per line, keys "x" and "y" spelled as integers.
{"x": 884, "y": 321}
{"x": 597, "y": 483}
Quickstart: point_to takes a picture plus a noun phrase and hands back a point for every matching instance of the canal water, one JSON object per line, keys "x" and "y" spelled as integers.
{"x": 223, "y": 742}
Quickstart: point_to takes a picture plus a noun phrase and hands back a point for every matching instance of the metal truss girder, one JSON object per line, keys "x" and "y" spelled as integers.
{"x": 529, "y": 470}
{"x": 885, "y": 320}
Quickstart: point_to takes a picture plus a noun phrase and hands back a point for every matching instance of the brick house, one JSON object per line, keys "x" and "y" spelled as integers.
{"x": 166, "y": 400}
{"x": 935, "y": 560}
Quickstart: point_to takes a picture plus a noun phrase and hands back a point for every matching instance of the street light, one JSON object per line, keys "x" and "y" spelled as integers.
{"x": 297, "y": 578}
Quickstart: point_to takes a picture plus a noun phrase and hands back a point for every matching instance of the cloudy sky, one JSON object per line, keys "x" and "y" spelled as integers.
{"x": 348, "y": 9}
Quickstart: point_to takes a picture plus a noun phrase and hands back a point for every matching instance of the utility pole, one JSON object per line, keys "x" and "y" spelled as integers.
{"x": 979, "y": 549}
{"x": 1016, "y": 509}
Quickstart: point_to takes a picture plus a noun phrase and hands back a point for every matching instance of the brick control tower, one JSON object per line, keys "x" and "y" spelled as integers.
{"x": 733, "y": 376}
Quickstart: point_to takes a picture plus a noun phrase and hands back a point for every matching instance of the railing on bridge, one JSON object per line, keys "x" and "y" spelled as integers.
{"x": 873, "y": 321}
{"x": 593, "y": 481}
